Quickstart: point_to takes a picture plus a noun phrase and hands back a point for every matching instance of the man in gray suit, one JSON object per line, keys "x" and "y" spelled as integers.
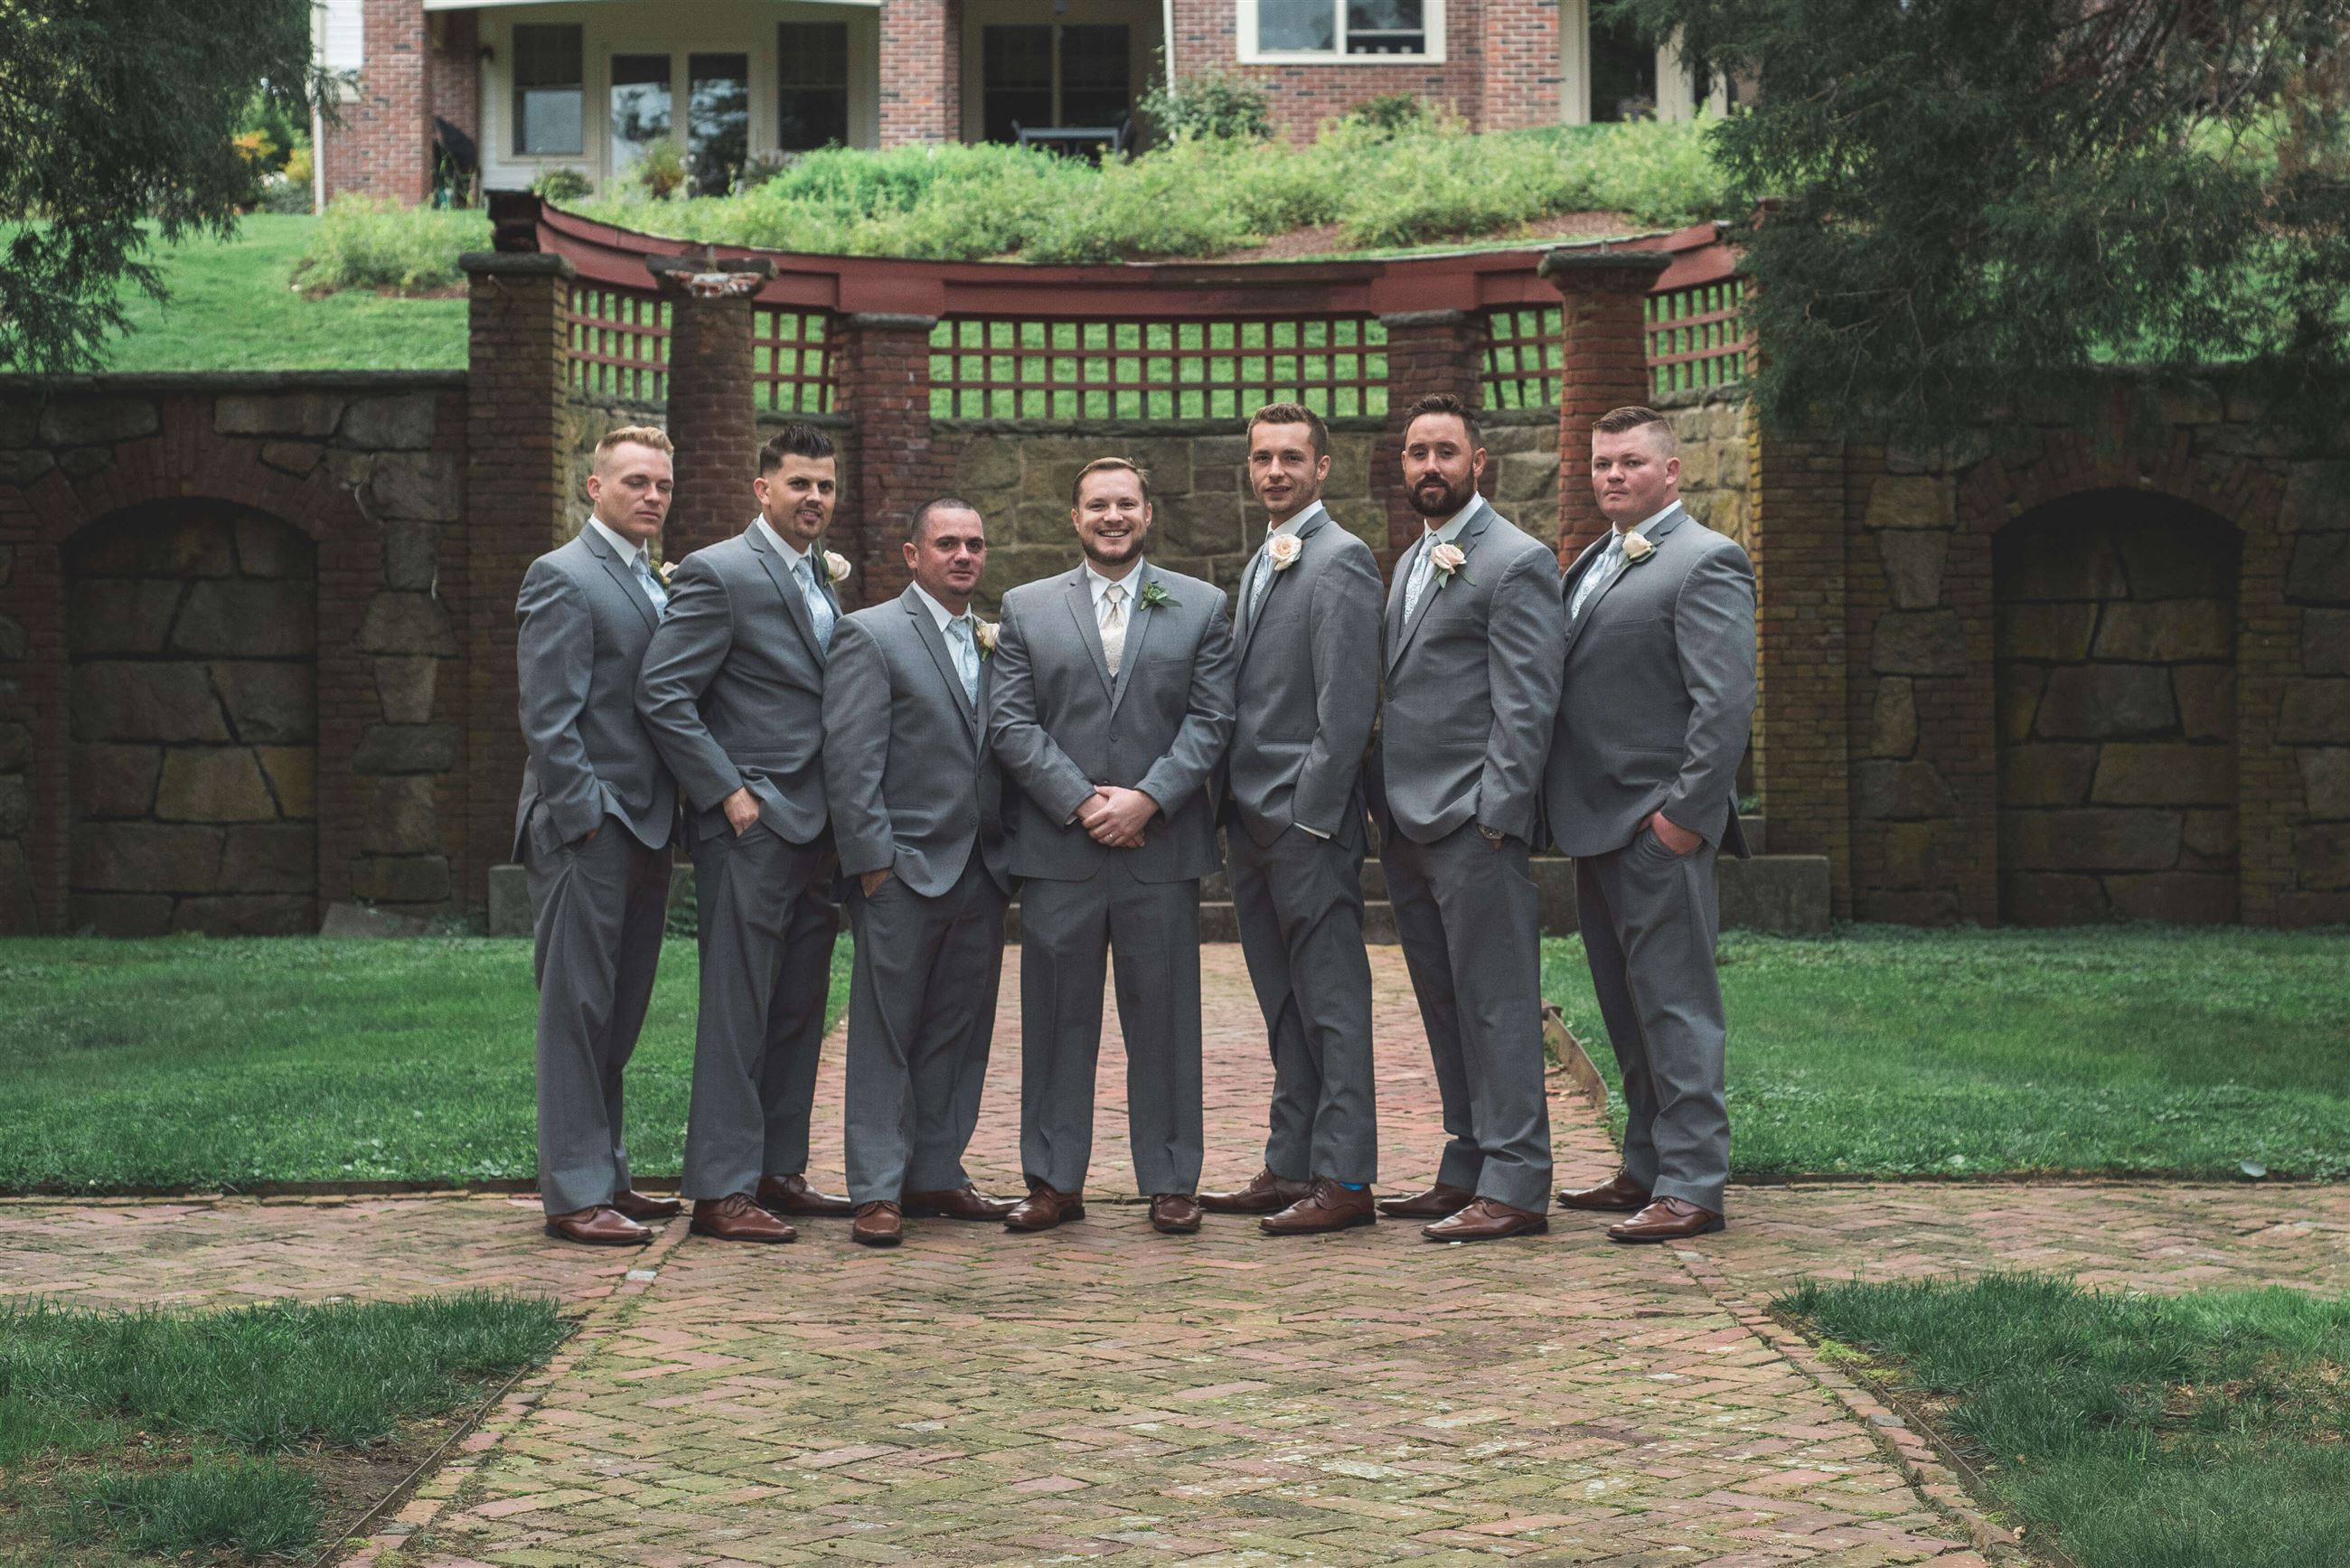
{"x": 593, "y": 828}
{"x": 1111, "y": 704}
{"x": 1474, "y": 643}
{"x": 1642, "y": 790}
{"x": 733, "y": 692}
{"x": 1308, "y": 630}
{"x": 917, "y": 803}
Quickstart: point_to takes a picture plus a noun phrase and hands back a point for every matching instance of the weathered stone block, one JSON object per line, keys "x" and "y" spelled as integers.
{"x": 2321, "y": 853}
{"x": 1925, "y": 908}
{"x": 13, "y": 643}
{"x": 248, "y": 915}
{"x": 2208, "y": 839}
{"x": 113, "y": 781}
{"x": 2320, "y": 573}
{"x": 198, "y": 544}
{"x": 2164, "y": 775}
{"x": 280, "y": 859}
{"x": 16, "y": 804}
{"x": 1919, "y": 642}
{"x": 411, "y": 555}
{"x": 406, "y": 623}
{"x": 23, "y": 468}
{"x": 2166, "y": 630}
{"x": 2315, "y": 713}
{"x": 403, "y": 422}
{"x": 1912, "y": 853}
{"x": 247, "y": 620}
{"x": 2316, "y": 499}
{"x": 1903, "y": 790}
{"x": 15, "y": 747}
{"x": 268, "y": 548}
{"x": 1898, "y": 501}
{"x": 344, "y": 919}
{"x": 422, "y": 486}
{"x": 2175, "y": 898}
{"x": 1893, "y": 719}
{"x": 2174, "y": 559}
{"x": 2057, "y": 633}
{"x": 406, "y": 748}
{"x": 2207, "y": 701}
{"x": 1168, "y": 461}
{"x": 144, "y": 857}
{"x": 2043, "y": 774}
{"x": 297, "y": 458}
{"x": 119, "y": 914}
{"x": 401, "y": 880}
{"x": 99, "y": 421}
{"x": 292, "y": 775}
{"x": 268, "y": 703}
{"x": 2325, "y": 642}
{"x": 1523, "y": 481}
{"x": 1913, "y": 565}
{"x": 402, "y": 816}
{"x": 113, "y": 615}
{"x": 208, "y": 785}
{"x": 1197, "y": 525}
{"x": 405, "y": 686}
{"x": 2296, "y": 911}
{"x": 2060, "y": 564}
{"x": 142, "y": 702}
{"x": 2095, "y": 701}
{"x": 19, "y": 915}
{"x": 510, "y": 912}
{"x": 312, "y": 414}
{"x": 2039, "y": 899}
{"x": 2325, "y": 780}
{"x": 2094, "y": 839}
{"x": 84, "y": 463}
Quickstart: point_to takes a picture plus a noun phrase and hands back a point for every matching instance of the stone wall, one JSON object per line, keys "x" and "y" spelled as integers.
{"x": 1717, "y": 457}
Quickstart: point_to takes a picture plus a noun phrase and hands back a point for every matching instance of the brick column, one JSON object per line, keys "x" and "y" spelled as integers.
{"x": 921, "y": 71}
{"x": 711, "y": 420}
{"x": 1603, "y": 365}
{"x": 518, "y": 503}
{"x": 1427, "y": 351}
{"x": 384, "y": 145}
{"x": 885, "y": 390}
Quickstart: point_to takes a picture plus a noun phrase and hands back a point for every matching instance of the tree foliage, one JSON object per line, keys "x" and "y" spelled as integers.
{"x": 1963, "y": 201}
{"x": 117, "y": 115}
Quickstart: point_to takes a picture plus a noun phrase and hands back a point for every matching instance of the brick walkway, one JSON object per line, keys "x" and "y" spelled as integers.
{"x": 1108, "y": 1394}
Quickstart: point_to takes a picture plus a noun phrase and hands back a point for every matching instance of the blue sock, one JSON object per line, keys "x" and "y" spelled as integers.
{"x": 1354, "y": 1186}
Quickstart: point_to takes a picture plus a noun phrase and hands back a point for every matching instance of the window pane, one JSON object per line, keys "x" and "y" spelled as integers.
{"x": 549, "y": 90}
{"x": 717, "y": 119}
{"x": 1017, "y": 66}
{"x": 1298, "y": 24}
{"x": 1094, "y": 76}
{"x": 640, "y": 107}
{"x": 1385, "y": 28}
{"x": 812, "y": 109}
{"x": 1622, "y": 73}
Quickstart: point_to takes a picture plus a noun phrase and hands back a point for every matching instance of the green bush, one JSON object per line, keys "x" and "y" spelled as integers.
{"x": 1392, "y": 114}
{"x": 1211, "y": 108}
{"x": 361, "y": 242}
{"x": 559, "y": 185}
{"x": 659, "y": 170}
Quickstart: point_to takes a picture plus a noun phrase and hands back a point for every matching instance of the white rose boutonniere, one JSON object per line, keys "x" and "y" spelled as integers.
{"x": 668, "y": 570}
{"x": 836, "y": 568}
{"x": 984, "y": 633}
{"x": 1637, "y": 547}
{"x": 1283, "y": 549}
{"x": 1448, "y": 558}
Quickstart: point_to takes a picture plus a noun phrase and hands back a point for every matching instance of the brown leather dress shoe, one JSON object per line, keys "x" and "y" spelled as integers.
{"x": 877, "y": 1225}
{"x": 1174, "y": 1213}
{"x": 1486, "y": 1220}
{"x": 1044, "y": 1207}
{"x": 1265, "y": 1194}
{"x": 1331, "y": 1206}
{"x": 737, "y": 1217}
{"x": 793, "y": 1195}
{"x": 1666, "y": 1220}
{"x": 1436, "y": 1203}
{"x": 1619, "y": 1194}
{"x": 642, "y": 1209}
{"x": 600, "y": 1226}
{"x": 965, "y": 1203}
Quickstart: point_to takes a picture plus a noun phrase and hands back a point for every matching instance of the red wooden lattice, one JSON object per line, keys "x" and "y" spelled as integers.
{"x": 1521, "y": 352}
{"x": 792, "y": 369}
{"x": 998, "y": 368}
{"x": 620, "y": 342}
{"x": 1695, "y": 335}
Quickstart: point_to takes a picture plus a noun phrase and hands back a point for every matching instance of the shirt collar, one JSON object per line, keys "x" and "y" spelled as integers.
{"x": 1452, "y": 525}
{"x": 938, "y": 612}
{"x": 630, "y": 554}
{"x": 791, "y": 554}
{"x": 1303, "y": 515}
{"x": 1101, "y": 584}
{"x": 1645, "y": 523}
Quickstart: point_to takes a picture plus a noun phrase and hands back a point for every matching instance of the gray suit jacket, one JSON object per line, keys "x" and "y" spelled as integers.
{"x": 1659, "y": 694}
{"x": 907, "y": 770}
{"x": 1473, "y": 687}
{"x": 585, "y": 622}
{"x": 1308, "y": 691}
{"x": 1061, "y": 725}
{"x": 734, "y": 690}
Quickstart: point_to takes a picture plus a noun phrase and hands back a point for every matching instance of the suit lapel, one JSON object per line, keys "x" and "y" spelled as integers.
{"x": 1471, "y": 532}
{"x": 787, "y": 588}
{"x": 926, "y": 627}
{"x": 1264, "y": 563}
{"x": 1655, "y": 533}
{"x": 1139, "y": 618}
{"x": 602, "y": 550}
{"x": 1080, "y": 599}
{"x": 1405, "y": 565}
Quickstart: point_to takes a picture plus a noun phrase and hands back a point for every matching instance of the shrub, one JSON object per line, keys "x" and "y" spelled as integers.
{"x": 560, "y": 185}
{"x": 1211, "y": 108}
{"x": 362, "y": 243}
{"x": 1391, "y": 114}
{"x": 659, "y": 170}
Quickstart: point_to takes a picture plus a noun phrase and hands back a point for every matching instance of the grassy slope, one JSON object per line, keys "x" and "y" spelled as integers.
{"x": 187, "y": 1062}
{"x": 2140, "y": 1050}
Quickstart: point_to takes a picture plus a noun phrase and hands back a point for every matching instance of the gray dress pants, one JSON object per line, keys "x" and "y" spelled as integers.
{"x": 596, "y": 911}
{"x": 769, "y": 920}
{"x": 1471, "y": 935}
{"x": 1300, "y": 907}
{"x": 922, "y": 1017}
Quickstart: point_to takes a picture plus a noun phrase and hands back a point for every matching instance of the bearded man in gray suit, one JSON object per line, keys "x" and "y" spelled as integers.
{"x": 1474, "y": 638}
{"x": 1308, "y": 694}
{"x": 1643, "y": 791}
{"x": 917, "y": 809}
{"x": 733, "y": 691}
{"x": 593, "y": 830}
{"x": 1112, "y": 703}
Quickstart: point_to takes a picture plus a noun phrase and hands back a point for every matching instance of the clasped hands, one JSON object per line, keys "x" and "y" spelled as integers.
{"x": 1116, "y": 816}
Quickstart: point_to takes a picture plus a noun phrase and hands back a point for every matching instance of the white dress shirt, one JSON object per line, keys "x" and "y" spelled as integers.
{"x": 1131, "y": 583}
{"x": 1261, "y": 565}
{"x": 637, "y": 560}
{"x": 630, "y": 552}
{"x": 793, "y": 554}
{"x": 1423, "y": 566}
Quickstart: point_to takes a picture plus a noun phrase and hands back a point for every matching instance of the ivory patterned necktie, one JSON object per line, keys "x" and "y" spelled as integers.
{"x": 966, "y": 652}
{"x": 1421, "y": 570}
{"x": 819, "y": 605}
{"x": 1113, "y": 626}
{"x": 652, "y": 586}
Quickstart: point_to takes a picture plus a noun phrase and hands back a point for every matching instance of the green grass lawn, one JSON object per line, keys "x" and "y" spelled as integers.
{"x": 1886, "y": 1050}
{"x": 232, "y": 308}
{"x": 221, "y": 1064}
{"x": 249, "y": 1432}
{"x": 2145, "y": 1432}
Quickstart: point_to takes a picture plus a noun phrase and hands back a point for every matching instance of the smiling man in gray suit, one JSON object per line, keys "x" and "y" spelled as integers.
{"x": 734, "y": 694}
{"x": 1112, "y": 703}
{"x": 1643, "y": 791}
{"x": 1308, "y": 682}
{"x": 1474, "y": 643}
{"x": 918, "y": 810}
{"x": 593, "y": 829}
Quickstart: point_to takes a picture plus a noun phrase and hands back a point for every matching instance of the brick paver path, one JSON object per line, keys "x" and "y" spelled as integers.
{"x": 1108, "y": 1394}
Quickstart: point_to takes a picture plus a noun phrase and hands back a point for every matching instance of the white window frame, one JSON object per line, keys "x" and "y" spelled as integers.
{"x": 1431, "y": 20}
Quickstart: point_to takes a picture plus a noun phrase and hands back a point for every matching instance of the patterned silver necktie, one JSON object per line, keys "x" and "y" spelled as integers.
{"x": 819, "y": 604}
{"x": 966, "y": 652}
{"x": 652, "y": 586}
